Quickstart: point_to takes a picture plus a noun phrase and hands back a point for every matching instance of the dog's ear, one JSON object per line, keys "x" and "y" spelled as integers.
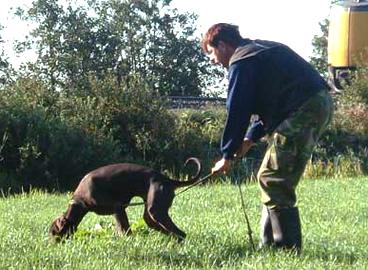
{"x": 60, "y": 223}
{"x": 57, "y": 225}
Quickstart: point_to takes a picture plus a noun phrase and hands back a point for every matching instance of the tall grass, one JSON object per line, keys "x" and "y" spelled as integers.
{"x": 334, "y": 215}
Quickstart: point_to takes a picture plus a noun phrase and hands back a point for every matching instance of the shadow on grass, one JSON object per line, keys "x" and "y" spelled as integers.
{"x": 233, "y": 253}
{"x": 178, "y": 258}
{"x": 332, "y": 255}
{"x": 209, "y": 251}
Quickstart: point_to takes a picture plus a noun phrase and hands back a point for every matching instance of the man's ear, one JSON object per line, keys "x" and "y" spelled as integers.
{"x": 221, "y": 46}
{"x": 225, "y": 48}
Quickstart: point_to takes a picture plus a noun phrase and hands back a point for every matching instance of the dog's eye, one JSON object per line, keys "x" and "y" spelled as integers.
{"x": 63, "y": 221}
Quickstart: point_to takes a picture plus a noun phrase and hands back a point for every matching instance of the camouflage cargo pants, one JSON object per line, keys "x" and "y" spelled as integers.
{"x": 289, "y": 149}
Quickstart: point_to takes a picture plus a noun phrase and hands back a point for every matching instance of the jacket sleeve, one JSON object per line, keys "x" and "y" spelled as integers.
{"x": 239, "y": 104}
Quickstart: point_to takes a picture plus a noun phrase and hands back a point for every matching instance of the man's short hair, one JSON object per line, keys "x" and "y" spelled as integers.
{"x": 225, "y": 32}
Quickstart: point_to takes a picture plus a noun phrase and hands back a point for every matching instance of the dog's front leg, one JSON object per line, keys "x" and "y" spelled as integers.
{"x": 164, "y": 220}
{"x": 122, "y": 223}
{"x": 153, "y": 223}
{"x": 159, "y": 200}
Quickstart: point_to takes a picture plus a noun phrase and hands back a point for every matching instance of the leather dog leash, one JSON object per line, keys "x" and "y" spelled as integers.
{"x": 249, "y": 229}
{"x": 195, "y": 184}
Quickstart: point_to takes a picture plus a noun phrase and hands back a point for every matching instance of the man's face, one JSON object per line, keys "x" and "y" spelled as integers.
{"x": 220, "y": 54}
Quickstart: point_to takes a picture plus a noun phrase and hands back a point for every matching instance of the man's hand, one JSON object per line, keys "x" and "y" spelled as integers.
{"x": 221, "y": 166}
{"x": 244, "y": 148}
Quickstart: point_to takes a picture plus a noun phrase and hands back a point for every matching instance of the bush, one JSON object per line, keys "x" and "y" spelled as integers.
{"x": 42, "y": 148}
{"x": 346, "y": 139}
{"x": 135, "y": 116}
{"x": 50, "y": 139}
{"x": 197, "y": 132}
{"x": 347, "y": 165}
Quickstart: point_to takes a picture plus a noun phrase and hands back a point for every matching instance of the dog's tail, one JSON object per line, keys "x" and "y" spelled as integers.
{"x": 195, "y": 177}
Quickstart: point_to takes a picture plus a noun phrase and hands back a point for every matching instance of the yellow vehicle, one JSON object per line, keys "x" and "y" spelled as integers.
{"x": 347, "y": 39}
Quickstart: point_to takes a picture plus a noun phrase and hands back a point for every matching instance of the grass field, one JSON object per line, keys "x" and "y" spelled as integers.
{"x": 334, "y": 215}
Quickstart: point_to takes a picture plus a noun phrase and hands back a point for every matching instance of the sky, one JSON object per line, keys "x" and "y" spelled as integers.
{"x": 292, "y": 22}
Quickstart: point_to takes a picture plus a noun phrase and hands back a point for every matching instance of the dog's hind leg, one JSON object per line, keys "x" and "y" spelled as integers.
{"x": 122, "y": 222}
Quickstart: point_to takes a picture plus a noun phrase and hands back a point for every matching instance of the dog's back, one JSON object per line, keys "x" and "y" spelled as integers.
{"x": 114, "y": 183}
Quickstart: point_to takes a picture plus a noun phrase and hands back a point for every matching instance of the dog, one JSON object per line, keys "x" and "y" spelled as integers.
{"x": 108, "y": 190}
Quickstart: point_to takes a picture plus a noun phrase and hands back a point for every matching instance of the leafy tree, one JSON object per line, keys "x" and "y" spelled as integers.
{"x": 319, "y": 58}
{"x": 320, "y": 42}
{"x": 5, "y": 68}
{"x": 125, "y": 38}
{"x": 46, "y": 38}
{"x": 156, "y": 42}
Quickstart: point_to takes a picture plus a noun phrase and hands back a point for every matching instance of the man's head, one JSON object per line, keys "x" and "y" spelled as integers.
{"x": 220, "y": 42}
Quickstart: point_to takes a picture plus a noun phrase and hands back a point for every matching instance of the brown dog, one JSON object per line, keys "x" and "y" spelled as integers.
{"x": 108, "y": 191}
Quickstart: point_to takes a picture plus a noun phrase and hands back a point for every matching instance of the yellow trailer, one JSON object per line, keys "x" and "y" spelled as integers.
{"x": 347, "y": 39}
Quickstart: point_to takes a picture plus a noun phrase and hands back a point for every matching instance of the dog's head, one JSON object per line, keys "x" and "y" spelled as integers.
{"x": 60, "y": 228}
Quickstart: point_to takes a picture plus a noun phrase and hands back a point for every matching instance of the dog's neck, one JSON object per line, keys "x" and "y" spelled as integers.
{"x": 75, "y": 212}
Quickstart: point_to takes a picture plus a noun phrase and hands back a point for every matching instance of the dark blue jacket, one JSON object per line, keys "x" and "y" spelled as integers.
{"x": 267, "y": 79}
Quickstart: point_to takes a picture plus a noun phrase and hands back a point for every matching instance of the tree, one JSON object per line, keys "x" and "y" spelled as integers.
{"x": 319, "y": 58}
{"x": 156, "y": 42}
{"x": 5, "y": 67}
{"x": 144, "y": 38}
{"x": 320, "y": 42}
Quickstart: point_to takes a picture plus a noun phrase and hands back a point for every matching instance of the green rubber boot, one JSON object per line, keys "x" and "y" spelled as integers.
{"x": 286, "y": 228}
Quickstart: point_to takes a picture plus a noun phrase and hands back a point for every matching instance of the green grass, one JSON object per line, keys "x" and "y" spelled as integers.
{"x": 334, "y": 215}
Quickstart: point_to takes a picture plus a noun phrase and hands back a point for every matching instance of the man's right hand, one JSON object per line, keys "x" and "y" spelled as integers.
{"x": 244, "y": 148}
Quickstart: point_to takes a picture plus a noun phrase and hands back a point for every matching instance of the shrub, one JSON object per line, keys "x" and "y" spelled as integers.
{"x": 352, "y": 105}
{"x": 137, "y": 118}
{"x": 197, "y": 132}
{"x": 50, "y": 139}
{"x": 346, "y": 139}
{"x": 347, "y": 165}
{"x": 40, "y": 148}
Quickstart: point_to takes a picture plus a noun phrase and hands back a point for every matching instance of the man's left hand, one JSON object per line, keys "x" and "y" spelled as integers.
{"x": 221, "y": 166}
{"x": 244, "y": 148}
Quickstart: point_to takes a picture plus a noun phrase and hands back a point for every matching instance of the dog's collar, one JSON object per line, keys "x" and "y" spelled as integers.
{"x": 74, "y": 202}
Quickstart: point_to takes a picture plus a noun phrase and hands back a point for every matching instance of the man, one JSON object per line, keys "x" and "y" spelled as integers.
{"x": 293, "y": 106}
